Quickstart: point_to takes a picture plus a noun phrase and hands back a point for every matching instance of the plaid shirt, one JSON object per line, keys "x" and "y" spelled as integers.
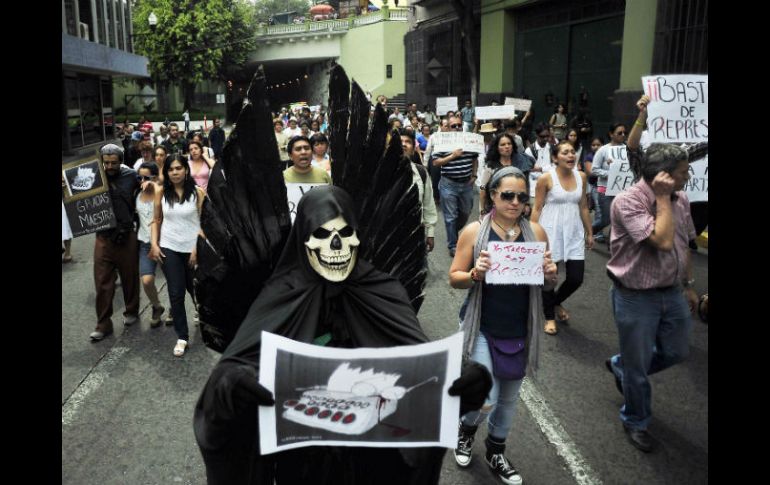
{"x": 638, "y": 264}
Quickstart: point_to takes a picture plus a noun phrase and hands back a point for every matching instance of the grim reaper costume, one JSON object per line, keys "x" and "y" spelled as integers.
{"x": 350, "y": 274}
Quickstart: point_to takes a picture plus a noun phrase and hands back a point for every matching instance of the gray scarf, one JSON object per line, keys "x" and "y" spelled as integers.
{"x": 471, "y": 322}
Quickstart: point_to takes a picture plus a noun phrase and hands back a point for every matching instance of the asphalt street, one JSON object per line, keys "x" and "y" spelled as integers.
{"x": 127, "y": 402}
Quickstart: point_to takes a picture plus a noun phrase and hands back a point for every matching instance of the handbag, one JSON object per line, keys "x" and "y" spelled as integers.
{"x": 509, "y": 361}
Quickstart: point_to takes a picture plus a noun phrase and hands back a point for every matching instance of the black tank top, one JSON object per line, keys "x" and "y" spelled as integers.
{"x": 504, "y": 308}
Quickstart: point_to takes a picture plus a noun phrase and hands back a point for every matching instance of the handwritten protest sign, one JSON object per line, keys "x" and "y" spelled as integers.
{"x": 519, "y": 104}
{"x": 515, "y": 263}
{"x": 678, "y": 109}
{"x": 499, "y": 112}
{"x": 620, "y": 176}
{"x": 87, "y": 200}
{"x": 697, "y": 188}
{"x": 447, "y": 141}
{"x": 445, "y": 105}
{"x": 294, "y": 192}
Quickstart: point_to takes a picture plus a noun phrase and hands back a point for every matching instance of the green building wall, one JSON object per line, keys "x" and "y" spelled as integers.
{"x": 366, "y": 51}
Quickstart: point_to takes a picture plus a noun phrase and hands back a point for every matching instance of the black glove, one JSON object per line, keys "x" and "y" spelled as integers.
{"x": 472, "y": 386}
{"x": 239, "y": 393}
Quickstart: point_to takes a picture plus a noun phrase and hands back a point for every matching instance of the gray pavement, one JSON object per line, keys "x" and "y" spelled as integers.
{"x": 127, "y": 403}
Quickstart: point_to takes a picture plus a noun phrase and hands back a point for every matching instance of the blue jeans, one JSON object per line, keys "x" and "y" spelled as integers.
{"x": 597, "y": 207}
{"x": 653, "y": 329}
{"x": 179, "y": 277}
{"x": 456, "y": 205}
{"x": 605, "y": 203}
{"x": 503, "y": 396}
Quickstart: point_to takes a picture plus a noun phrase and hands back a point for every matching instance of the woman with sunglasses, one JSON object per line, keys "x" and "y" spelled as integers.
{"x": 147, "y": 175}
{"x": 495, "y": 315}
{"x": 612, "y": 152}
{"x": 175, "y": 230}
{"x": 561, "y": 208}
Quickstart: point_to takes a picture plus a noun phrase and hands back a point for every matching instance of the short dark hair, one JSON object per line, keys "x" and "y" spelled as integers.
{"x": 318, "y": 138}
{"x": 294, "y": 140}
{"x": 405, "y": 132}
{"x": 151, "y": 166}
{"x": 661, "y": 157}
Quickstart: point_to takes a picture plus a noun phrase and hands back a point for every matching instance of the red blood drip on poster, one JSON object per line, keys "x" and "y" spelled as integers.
{"x": 337, "y": 416}
{"x": 299, "y": 407}
{"x": 349, "y": 418}
{"x": 290, "y": 403}
{"x": 311, "y": 411}
{"x": 324, "y": 414}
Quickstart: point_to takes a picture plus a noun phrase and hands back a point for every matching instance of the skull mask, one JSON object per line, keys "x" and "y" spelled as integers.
{"x": 332, "y": 249}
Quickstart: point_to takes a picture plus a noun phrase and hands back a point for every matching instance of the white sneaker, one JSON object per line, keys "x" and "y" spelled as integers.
{"x": 180, "y": 347}
{"x": 129, "y": 320}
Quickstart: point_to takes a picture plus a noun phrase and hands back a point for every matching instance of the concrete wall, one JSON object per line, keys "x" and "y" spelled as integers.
{"x": 84, "y": 56}
{"x": 312, "y": 46}
{"x": 638, "y": 42}
{"x": 367, "y": 50}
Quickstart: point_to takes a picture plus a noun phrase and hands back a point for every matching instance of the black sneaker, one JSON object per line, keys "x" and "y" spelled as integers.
{"x": 502, "y": 468}
{"x": 640, "y": 438}
{"x": 464, "y": 446}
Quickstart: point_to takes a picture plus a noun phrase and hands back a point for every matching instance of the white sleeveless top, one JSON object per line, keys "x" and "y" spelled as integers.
{"x": 561, "y": 220}
{"x": 181, "y": 224}
{"x": 145, "y": 211}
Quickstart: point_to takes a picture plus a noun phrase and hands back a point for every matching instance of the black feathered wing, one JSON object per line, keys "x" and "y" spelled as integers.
{"x": 380, "y": 180}
{"x": 245, "y": 220}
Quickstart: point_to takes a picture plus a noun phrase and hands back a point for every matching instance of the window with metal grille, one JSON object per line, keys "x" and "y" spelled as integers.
{"x": 681, "y": 37}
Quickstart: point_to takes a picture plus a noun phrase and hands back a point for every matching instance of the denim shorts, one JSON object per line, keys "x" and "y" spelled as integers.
{"x": 146, "y": 265}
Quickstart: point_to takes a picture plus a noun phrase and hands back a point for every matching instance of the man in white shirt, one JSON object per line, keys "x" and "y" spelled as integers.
{"x": 292, "y": 130}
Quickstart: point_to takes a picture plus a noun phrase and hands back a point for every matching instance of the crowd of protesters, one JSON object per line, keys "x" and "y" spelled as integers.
{"x": 537, "y": 180}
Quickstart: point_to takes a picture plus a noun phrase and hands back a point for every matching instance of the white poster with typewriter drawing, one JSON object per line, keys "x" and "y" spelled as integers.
{"x": 392, "y": 397}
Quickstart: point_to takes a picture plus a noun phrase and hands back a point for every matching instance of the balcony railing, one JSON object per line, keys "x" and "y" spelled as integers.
{"x": 338, "y": 25}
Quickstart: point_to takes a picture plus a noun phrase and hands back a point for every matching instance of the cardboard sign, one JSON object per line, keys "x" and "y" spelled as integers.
{"x": 358, "y": 397}
{"x": 294, "y": 192}
{"x": 499, "y": 112}
{"x": 515, "y": 263}
{"x": 447, "y": 141}
{"x": 678, "y": 109}
{"x": 445, "y": 105}
{"x": 519, "y": 104}
{"x": 697, "y": 188}
{"x": 87, "y": 200}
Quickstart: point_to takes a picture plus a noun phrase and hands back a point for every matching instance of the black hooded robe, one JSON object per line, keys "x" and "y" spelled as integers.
{"x": 369, "y": 309}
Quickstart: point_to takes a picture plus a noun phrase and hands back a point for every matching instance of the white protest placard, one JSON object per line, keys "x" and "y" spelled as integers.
{"x": 519, "y": 104}
{"x": 515, "y": 263}
{"x": 220, "y": 99}
{"x": 445, "y": 105}
{"x": 447, "y": 141}
{"x": 393, "y": 397}
{"x": 620, "y": 176}
{"x": 697, "y": 188}
{"x": 294, "y": 192}
{"x": 499, "y": 112}
{"x": 678, "y": 109}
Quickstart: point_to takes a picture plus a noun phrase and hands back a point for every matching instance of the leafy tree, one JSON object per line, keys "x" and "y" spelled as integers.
{"x": 194, "y": 40}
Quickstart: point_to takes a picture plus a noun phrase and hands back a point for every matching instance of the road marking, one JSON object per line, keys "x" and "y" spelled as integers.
{"x": 555, "y": 433}
{"x": 91, "y": 383}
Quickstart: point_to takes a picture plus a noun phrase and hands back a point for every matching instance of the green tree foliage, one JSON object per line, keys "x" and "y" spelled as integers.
{"x": 194, "y": 40}
{"x": 266, "y": 8}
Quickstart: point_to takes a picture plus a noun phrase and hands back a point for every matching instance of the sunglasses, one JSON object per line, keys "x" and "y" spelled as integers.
{"x": 509, "y": 196}
{"x": 142, "y": 178}
{"x": 455, "y": 126}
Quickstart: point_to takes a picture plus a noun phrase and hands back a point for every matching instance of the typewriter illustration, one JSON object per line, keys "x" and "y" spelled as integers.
{"x": 352, "y": 402}
{"x": 85, "y": 179}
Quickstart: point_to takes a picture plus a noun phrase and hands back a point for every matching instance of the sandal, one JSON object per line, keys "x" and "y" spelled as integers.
{"x": 561, "y": 313}
{"x": 180, "y": 347}
{"x": 550, "y": 327}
